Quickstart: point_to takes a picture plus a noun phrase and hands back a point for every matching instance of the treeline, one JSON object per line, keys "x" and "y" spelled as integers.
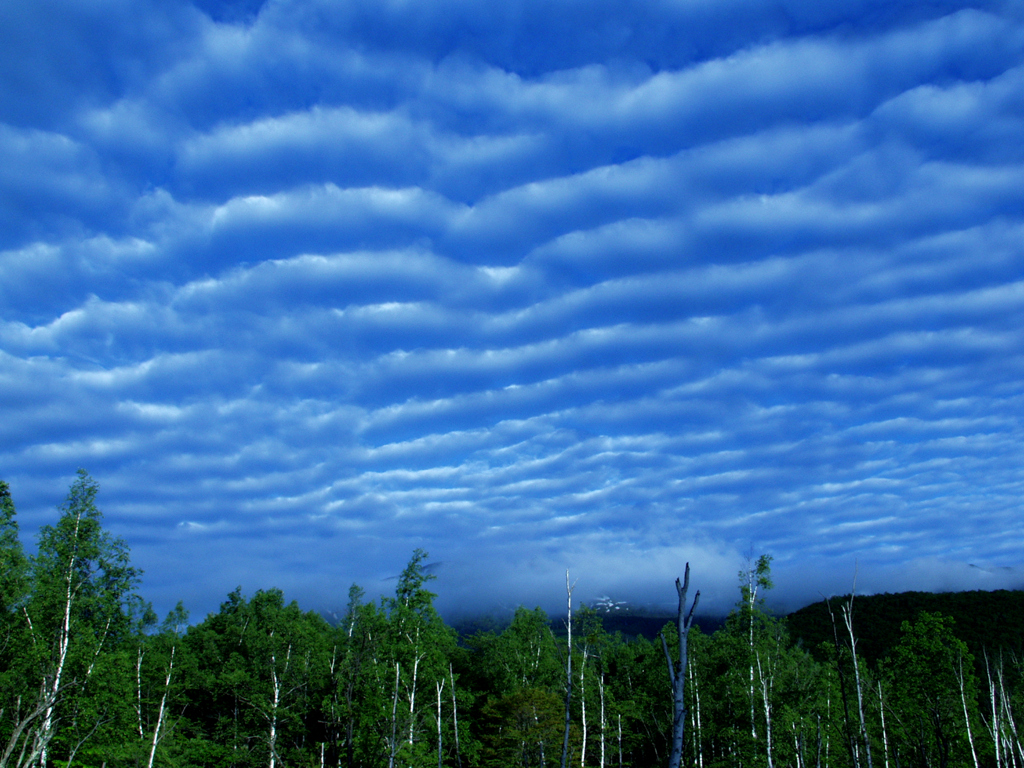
{"x": 88, "y": 677}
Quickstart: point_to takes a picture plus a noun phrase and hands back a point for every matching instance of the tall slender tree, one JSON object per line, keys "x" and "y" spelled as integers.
{"x": 677, "y": 668}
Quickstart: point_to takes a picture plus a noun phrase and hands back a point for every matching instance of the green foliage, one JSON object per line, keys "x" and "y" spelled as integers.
{"x": 522, "y": 656}
{"x": 64, "y": 693}
{"x": 757, "y": 577}
{"x": 642, "y": 706}
{"x": 521, "y": 728}
{"x": 930, "y": 682}
{"x": 258, "y": 666}
{"x": 13, "y": 564}
{"x": 14, "y": 636}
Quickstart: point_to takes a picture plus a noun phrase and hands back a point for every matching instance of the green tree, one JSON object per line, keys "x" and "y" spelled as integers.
{"x": 161, "y": 663}
{"x": 13, "y": 567}
{"x": 81, "y": 607}
{"x": 758, "y": 692}
{"x": 522, "y": 656}
{"x": 259, "y": 669}
{"x": 419, "y": 648}
{"x": 15, "y": 718}
{"x": 642, "y": 714}
{"x": 522, "y": 727}
{"x": 932, "y": 695}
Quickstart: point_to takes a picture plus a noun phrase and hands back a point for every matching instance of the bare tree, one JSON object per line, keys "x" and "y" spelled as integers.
{"x": 848, "y": 621}
{"x": 568, "y": 671}
{"x": 677, "y": 669}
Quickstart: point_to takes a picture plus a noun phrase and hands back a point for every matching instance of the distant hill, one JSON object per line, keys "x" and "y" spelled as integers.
{"x": 984, "y": 620}
{"x": 635, "y": 625}
{"x": 630, "y": 623}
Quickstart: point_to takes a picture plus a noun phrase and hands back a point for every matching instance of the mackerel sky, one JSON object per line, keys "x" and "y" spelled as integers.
{"x": 602, "y": 284}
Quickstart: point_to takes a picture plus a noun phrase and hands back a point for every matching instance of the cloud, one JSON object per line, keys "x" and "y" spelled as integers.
{"x": 307, "y": 285}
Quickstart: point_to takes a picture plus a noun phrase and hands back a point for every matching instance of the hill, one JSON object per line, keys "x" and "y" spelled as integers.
{"x": 984, "y": 620}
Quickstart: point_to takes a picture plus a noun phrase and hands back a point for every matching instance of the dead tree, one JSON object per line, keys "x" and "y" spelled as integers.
{"x": 677, "y": 669}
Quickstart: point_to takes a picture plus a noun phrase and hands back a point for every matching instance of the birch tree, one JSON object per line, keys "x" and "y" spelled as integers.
{"x": 162, "y": 690}
{"x": 756, "y": 577}
{"x": 81, "y": 592}
{"x": 421, "y": 646}
{"x": 568, "y": 670}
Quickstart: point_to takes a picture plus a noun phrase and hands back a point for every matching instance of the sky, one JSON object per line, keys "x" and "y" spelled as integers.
{"x": 542, "y": 284}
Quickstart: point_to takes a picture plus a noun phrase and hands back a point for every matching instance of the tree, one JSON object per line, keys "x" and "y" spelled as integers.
{"x": 159, "y": 680}
{"x": 520, "y": 728}
{"x": 568, "y": 671}
{"x": 677, "y": 669}
{"x": 636, "y": 681}
{"x": 259, "y": 666}
{"x": 757, "y": 576}
{"x": 418, "y": 649}
{"x": 522, "y": 656}
{"x": 13, "y": 567}
{"x": 14, "y": 718}
{"x": 932, "y": 695}
{"x": 80, "y": 606}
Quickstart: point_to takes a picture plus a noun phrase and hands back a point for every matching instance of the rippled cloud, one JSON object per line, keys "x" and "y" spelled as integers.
{"x": 307, "y": 285}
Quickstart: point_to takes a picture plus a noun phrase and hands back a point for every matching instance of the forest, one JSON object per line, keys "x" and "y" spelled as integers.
{"x": 89, "y": 676}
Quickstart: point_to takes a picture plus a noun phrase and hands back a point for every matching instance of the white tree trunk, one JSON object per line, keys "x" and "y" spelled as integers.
{"x": 620, "y": 741}
{"x": 995, "y": 728}
{"x": 412, "y": 699}
{"x": 751, "y": 601}
{"x": 885, "y": 734}
{"x": 601, "y": 691}
{"x": 568, "y": 671}
{"x": 275, "y": 703}
{"x": 766, "y": 687}
{"x": 393, "y": 743}
{"x": 967, "y": 717}
{"x": 455, "y": 716}
{"x": 697, "y": 727}
{"x": 138, "y": 691}
{"x": 161, "y": 711}
{"x": 848, "y": 621}
{"x": 583, "y": 707}
{"x": 45, "y": 733}
{"x": 440, "y": 687}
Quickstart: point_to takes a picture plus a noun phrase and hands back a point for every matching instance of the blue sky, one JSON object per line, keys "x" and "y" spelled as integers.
{"x": 306, "y": 284}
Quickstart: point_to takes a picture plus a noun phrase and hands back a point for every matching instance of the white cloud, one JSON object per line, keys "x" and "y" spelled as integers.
{"x": 312, "y": 288}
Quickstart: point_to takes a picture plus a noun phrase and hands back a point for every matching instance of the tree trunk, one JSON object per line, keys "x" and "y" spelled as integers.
{"x": 698, "y": 737}
{"x": 455, "y": 716}
{"x": 583, "y": 707}
{"x": 440, "y": 687}
{"x": 63, "y": 641}
{"x": 967, "y": 717}
{"x": 851, "y": 742}
{"x": 766, "y": 686}
{"x": 885, "y": 733}
{"x": 848, "y": 620}
{"x": 601, "y": 690}
{"x": 393, "y": 745}
{"x": 677, "y": 670}
{"x": 161, "y": 711}
{"x": 568, "y": 672}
